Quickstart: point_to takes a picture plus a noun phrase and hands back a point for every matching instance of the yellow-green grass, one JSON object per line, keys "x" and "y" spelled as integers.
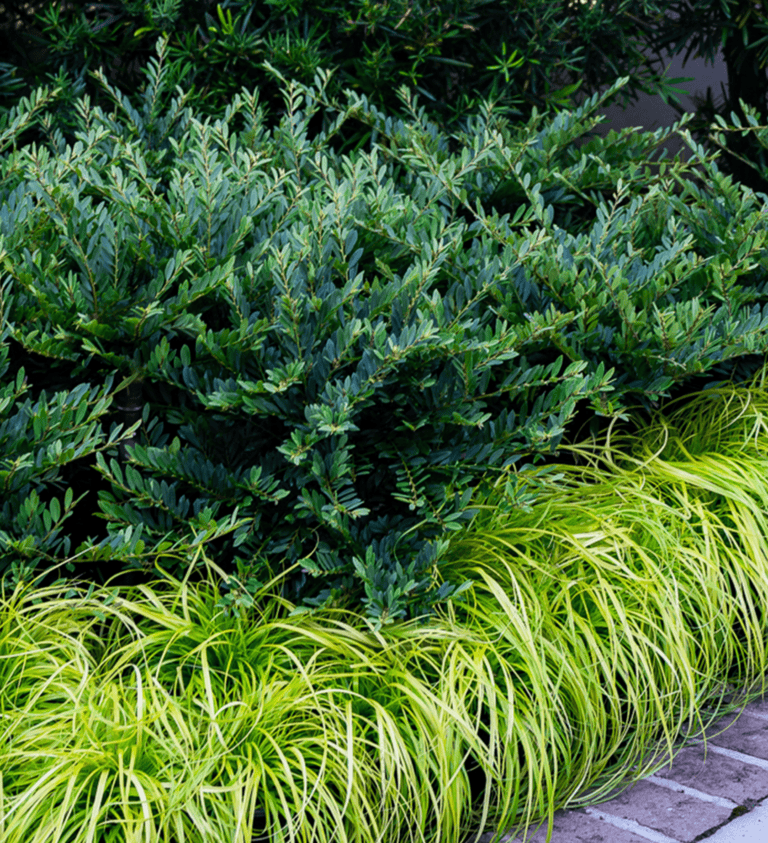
{"x": 626, "y": 609}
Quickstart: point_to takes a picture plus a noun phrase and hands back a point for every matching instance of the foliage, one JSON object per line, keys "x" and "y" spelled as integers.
{"x": 452, "y": 53}
{"x": 736, "y": 30}
{"x": 641, "y": 569}
{"x": 603, "y": 629}
{"x": 319, "y": 357}
{"x": 739, "y": 30}
{"x": 520, "y": 53}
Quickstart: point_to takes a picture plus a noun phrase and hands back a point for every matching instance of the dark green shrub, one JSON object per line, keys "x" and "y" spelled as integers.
{"x": 452, "y": 53}
{"x": 329, "y": 353}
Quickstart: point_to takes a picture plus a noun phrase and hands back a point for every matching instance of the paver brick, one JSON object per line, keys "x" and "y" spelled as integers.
{"x": 577, "y": 827}
{"x": 745, "y": 733}
{"x": 717, "y": 775}
{"x": 758, "y": 707}
{"x": 678, "y": 815}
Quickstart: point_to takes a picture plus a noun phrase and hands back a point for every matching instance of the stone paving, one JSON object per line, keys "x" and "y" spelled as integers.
{"x": 706, "y": 786}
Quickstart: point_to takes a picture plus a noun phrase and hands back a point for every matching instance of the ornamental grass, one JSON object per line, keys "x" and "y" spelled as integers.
{"x": 607, "y": 625}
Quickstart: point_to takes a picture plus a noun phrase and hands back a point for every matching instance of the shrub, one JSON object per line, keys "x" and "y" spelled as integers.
{"x": 320, "y": 357}
{"x": 452, "y": 53}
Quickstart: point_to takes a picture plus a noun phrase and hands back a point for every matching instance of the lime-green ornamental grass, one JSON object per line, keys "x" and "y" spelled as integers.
{"x": 626, "y": 609}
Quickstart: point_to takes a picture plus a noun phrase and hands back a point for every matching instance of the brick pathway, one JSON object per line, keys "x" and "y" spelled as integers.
{"x": 687, "y": 800}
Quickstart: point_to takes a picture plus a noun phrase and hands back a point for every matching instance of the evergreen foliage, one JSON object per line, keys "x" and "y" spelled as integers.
{"x": 452, "y": 53}
{"x": 313, "y": 359}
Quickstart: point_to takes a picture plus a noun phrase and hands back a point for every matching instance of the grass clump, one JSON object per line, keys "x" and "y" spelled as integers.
{"x": 619, "y": 616}
{"x": 641, "y": 580}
